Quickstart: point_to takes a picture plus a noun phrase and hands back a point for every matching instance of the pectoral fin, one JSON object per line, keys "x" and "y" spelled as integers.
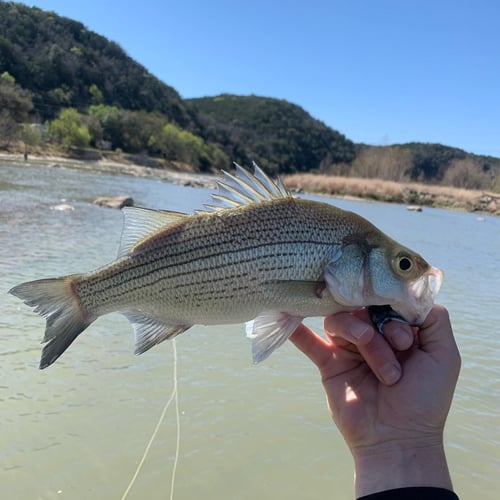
{"x": 268, "y": 331}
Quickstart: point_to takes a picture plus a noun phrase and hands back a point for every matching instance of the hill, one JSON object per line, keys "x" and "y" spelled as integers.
{"x": 65, "y": 65}
{"x": 274, "y": 133}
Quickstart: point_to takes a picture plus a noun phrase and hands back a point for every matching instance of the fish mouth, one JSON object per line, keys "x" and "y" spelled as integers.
{"x": 428, "y": 285}
{"x": 421, "y": 295}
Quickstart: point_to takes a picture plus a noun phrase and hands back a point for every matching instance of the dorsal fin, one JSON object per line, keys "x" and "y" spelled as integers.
{"x": 245, "y": 188}
{"x": 140, "y": 223}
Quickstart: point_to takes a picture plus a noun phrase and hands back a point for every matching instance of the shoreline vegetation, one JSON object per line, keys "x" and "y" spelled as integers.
{"x": 413, "y": 194}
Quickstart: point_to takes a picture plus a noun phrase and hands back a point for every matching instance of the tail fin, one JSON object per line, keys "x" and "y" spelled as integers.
{"x": 56, "y": 300}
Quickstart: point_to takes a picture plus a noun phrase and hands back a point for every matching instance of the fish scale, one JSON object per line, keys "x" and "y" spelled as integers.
{"x": 257, "y": 252}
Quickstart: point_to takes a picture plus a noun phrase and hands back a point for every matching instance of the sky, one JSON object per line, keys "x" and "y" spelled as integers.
{"x": 379, "y": 71}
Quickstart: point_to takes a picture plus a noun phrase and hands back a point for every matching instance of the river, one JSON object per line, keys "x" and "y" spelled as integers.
{"x": 78, "y": 429}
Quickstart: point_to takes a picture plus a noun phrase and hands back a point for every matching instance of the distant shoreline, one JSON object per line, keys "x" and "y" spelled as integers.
{"x": 112, "y": 166}
{"x": 414, "y": 194}
{"x": 411, "y": 193}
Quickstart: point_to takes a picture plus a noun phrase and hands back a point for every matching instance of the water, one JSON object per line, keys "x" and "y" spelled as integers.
{"x": 78, "y": 429}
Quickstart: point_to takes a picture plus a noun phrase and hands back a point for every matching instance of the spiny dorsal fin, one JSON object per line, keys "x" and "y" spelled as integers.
{"x": 245, "y": 188}
{"x": 140, "y": 223}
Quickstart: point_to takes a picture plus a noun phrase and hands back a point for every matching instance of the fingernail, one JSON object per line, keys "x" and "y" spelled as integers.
{"x": 390, "y": 373}
{"x": 360, "y": 330}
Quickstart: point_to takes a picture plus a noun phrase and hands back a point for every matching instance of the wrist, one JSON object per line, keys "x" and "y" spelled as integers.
{"x": 400, "y": 464}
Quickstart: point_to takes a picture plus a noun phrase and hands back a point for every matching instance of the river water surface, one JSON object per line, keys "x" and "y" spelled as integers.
{"x": 78, "y": 429}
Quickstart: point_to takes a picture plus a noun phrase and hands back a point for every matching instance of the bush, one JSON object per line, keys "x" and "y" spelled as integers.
{"x": 468, "y": 173}
{"x": 69, "y": 129}
{"x": 387, "y": 163}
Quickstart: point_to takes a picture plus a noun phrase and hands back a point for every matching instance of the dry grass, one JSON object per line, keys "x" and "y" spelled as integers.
{"x": 390, "y": 191}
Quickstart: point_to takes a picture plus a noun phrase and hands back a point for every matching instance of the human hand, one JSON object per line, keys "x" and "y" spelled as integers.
{"x": 389, "y": 395}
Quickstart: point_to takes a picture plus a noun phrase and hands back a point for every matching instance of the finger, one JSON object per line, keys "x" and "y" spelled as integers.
{"x": 355, "y": 328}
{"x": 317, "y": 349}
{"x": 399, "y": 335}
{"x": 380, "y": 357}
{"x": 374, "y": 348}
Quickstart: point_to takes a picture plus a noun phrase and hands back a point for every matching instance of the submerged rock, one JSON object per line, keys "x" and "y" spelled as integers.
{"x": 114, "y": 201}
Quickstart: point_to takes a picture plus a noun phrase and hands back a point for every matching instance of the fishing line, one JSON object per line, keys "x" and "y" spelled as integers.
{"x": 178, "y": 423}
{"x": 173, "y": 396}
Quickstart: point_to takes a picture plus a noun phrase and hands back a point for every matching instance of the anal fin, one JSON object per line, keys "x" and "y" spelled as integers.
{"x": 149, "y": 331}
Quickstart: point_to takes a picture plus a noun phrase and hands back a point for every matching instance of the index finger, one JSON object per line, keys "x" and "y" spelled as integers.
{"x": 316, "y": 348}
{"x": 374, "y": 348}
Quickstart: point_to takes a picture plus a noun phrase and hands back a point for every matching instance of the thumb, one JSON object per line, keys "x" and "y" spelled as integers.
{"x": 436, "y": 337}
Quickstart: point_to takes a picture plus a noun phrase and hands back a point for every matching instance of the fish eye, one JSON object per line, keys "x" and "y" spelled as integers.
{"x": 404, "y": 263}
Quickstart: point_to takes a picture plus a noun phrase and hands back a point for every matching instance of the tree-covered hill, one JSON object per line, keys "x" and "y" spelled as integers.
{"x": 276, "y": 134}
{"x": 65, "y": 65}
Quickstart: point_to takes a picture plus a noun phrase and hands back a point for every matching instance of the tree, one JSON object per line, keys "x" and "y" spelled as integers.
{"x": 468, "y": 173}
{"x": 177, "y": 144}
{"x": 96, "y": 94}
{"x": 15, "y": 100}
{"x": 31, "y": 135}
{"x": 70, "y": 129}
{"x": 388, "y": 163}
{"x": 15, "y": 104}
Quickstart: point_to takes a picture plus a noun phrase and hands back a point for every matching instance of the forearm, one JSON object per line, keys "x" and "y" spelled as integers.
{"x": 400, "y": 465}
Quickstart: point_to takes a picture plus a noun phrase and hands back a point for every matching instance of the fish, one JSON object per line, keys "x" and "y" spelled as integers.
{"x": 256, "y": 254}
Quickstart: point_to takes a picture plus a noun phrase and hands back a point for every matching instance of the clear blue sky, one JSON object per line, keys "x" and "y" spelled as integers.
{"x": 379, "y": 71}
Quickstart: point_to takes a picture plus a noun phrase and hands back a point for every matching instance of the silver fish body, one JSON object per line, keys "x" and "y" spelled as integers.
{"x": 257, "y": 253}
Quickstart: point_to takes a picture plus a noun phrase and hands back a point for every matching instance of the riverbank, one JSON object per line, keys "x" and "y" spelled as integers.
{"x": 177, "y": 173}
{"x": 411, "y": 193}
{"x": 415, "y": 194}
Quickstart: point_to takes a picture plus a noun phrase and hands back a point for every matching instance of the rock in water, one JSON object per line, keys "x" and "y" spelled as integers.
{"x": 114, "y": 201}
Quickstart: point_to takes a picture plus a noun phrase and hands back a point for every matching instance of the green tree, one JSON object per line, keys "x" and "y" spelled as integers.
{"x": 128, "y": 130}
{"x": 15, "y": 100}
{"x": 15, "y": 105}
{"x": 96, "y": 94}
{"x": 6, "y": 77}
{"x": 31, "y": 135}
{"x": 69, "y": 129}
{"x": 176, "y": 144}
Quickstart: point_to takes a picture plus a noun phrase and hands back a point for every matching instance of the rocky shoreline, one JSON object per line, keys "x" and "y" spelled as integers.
{"x": 412, "y": 194}
{"x": 113, "y": 166}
